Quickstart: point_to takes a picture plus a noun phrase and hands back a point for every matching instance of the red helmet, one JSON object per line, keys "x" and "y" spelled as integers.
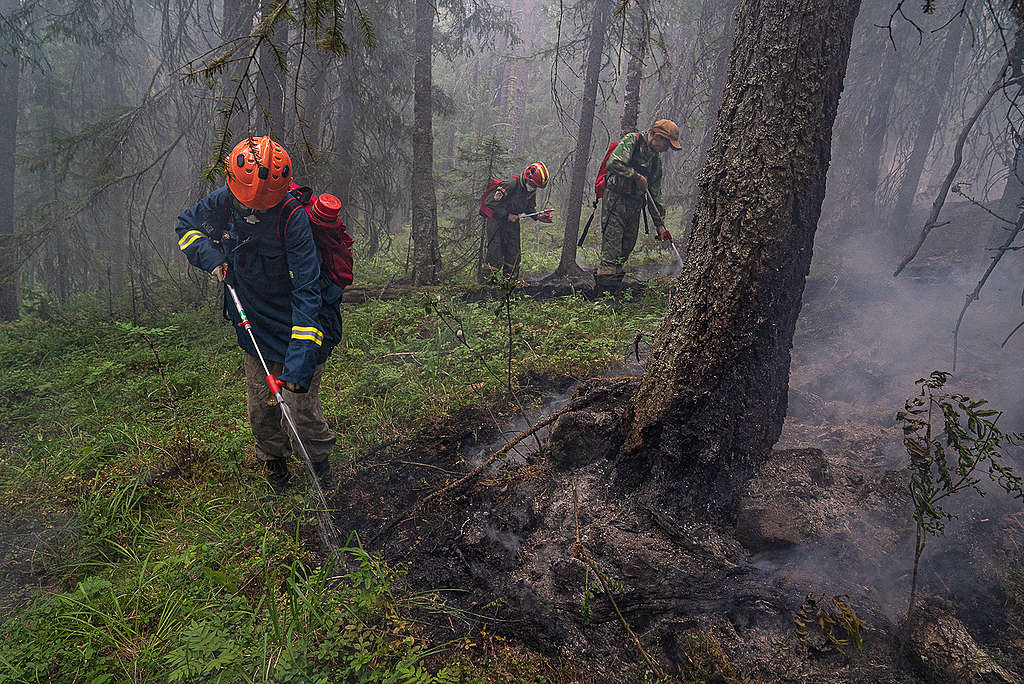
{"x": 259, "y": 172}
{"x": 536, "y": 174}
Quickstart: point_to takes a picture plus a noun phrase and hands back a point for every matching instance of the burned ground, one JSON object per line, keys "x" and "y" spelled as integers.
{"x": 548, "y": 548}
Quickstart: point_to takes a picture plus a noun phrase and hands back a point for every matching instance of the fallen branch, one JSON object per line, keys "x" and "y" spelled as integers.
{"x": 977, "y": 289}
{"x": 579, "y": 552}
{"x": 473, "y": 474}
{"x": 932, "y": 220}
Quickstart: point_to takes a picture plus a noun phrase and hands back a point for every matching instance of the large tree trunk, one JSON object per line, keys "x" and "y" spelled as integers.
{"x": 426, "y": 254}
{"x": 9, "y": 73}
{"x": 567, "y": 265}
{"x": 236, "y": 21}
{"x": 713, "y": 398}
{"x": 929, "y": 109}
{"x": 873, "y": 135}
{"x": 635, "y": 70}
{"x": 273, "y": 80}
{"x": 521, "y": 71}
{"x": 345, "y": 138}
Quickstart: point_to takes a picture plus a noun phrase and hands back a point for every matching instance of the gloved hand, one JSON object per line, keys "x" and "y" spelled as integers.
{"x": 661, "y": 233}
{"x": 221, "y": 271}
{"x": 513, "y": 217}
{"x": 641, "y": 182}
{"x": 291, "y": 386}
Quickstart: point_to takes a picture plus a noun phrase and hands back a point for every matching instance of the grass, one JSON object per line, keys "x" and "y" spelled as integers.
{"x": 173, "y": 567}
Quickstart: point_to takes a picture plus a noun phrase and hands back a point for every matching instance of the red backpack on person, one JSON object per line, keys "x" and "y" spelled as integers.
{"x": 329, "y": 233}
{"x": 602, "y": 171}
{"x": 492, "y": 184}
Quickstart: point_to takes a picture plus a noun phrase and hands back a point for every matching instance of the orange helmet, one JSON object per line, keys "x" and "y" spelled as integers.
{"x": 536, "y": 174}
{"x": 259, "y": 172}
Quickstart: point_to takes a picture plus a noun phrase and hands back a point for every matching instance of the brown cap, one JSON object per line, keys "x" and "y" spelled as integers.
{"x": 667, "y": 129}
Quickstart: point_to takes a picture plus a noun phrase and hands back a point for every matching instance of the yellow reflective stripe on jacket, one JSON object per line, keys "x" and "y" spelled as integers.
{"x": 188, "y": 238}
{"x": 307, "y": 333}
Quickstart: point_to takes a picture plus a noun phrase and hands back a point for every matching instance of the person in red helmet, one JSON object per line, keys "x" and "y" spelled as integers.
{"x": 239, "y": 233}
{"x": 509, "y": 200}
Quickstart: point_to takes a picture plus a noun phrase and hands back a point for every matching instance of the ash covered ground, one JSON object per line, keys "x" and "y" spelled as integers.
{"x": 566, "y": 551}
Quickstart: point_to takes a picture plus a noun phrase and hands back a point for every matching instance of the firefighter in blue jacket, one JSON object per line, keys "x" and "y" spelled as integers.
{"x": 236, "y": 233}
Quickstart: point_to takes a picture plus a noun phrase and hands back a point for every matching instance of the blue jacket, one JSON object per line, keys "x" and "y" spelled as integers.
{"x": 295, "y": 313}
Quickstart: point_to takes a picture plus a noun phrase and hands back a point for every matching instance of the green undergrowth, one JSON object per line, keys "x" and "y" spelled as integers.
{"x": 174, "y": 566}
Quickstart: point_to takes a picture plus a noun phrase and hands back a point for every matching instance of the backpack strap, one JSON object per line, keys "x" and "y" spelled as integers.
{"x": 288, "y": 209}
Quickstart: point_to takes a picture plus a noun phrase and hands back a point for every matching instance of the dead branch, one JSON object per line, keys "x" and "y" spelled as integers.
{"x": 473, "y": 474}
{"x": 981, "y": 283}
{"x": 931, "y": 221}
{"x": 579, "y": 552}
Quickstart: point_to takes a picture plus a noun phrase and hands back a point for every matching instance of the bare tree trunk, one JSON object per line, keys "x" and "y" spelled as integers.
{"x": 930, "y": 108}
{"x": 567, "y": 265}
{"x": 1013, "y": 192}
{"x": 873, "y": 135}
{"x": 713, "y": 398}
{"x": 236, "y": 21}
{"x": 520, "y": 76}
{"x": 9, "y": 75}
{"x": 635, "y": 70}
{"x": 273, "y": 123}
{"x": 115, "y": 217}
{"x": 426, "y": 253}
{"x": 716, "y": 93}
{"x": 345, "y": 139}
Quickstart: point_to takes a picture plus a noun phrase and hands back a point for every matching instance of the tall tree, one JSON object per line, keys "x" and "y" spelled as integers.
{"x": 426, "y": 252}
{"x": 640, "y": 28}
{"x": 9, "y": 75}
{"x": 272, "y": 67}
{"x": 567, "y": 265}
{"x": 713, "y": 397}
{"x": 930, "y": 106}
{"x": 521, "y": 69}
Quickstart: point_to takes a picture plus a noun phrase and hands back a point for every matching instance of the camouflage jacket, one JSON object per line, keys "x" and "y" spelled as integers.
{"x": 632, "y": 156}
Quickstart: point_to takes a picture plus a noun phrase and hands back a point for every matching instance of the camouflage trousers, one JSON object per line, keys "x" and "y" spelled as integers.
{"x": 503, "y": 246}
{"x": 620, "y": 225}
{"x": 273, "y": 440}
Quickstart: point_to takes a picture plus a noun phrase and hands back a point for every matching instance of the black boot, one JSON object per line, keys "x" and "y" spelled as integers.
{"x": 322, "y": 470}
{"x": 608, "y": 283}
{"x": 278, "y": 475}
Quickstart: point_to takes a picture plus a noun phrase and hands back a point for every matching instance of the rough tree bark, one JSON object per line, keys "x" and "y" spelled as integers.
{"x": 567, "y": 265}
{"x": 930, "y": 108}
{"x": 236, "y": 21}
{"x": 516, "y": 102}
{"x": 9, "y": 75}
{"x": 635, "y": 70}
{"x": 713, "y": 398}
{"x": 426, "y": 253}
{"x": 273, "y": 122}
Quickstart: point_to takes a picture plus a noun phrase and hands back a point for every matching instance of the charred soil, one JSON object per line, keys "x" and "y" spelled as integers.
{"x": 618, "y": 569}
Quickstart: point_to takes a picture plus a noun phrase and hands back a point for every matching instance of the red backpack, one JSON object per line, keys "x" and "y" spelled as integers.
{"x": 329, "y": 233}
{"x": 602, "y": 171}
{"x": 485, "y": 211}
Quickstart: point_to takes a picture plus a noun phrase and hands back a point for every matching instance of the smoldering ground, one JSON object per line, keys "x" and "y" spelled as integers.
{"x": 826, "y": 514}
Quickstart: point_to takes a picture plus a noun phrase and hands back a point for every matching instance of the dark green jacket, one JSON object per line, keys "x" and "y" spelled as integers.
{"x": 633, "y": 155}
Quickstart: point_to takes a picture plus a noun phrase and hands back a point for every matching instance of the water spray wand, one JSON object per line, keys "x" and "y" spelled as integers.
{"x": 661, "y": 222}
{"x": 272, "y": 382}
{"x": 542, "y": 212}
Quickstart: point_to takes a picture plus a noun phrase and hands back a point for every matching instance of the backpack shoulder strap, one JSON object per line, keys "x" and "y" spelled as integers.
{"x": 288, "y": 209}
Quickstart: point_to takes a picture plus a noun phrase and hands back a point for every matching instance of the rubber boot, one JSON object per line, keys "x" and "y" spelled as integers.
{"x": 607, "y": 283}
{"x": 277, "y": 475}
{"x": 322, "y": 470}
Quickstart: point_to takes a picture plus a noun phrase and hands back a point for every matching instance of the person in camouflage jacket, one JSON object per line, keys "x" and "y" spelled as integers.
{"x": 634, "y": 171}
